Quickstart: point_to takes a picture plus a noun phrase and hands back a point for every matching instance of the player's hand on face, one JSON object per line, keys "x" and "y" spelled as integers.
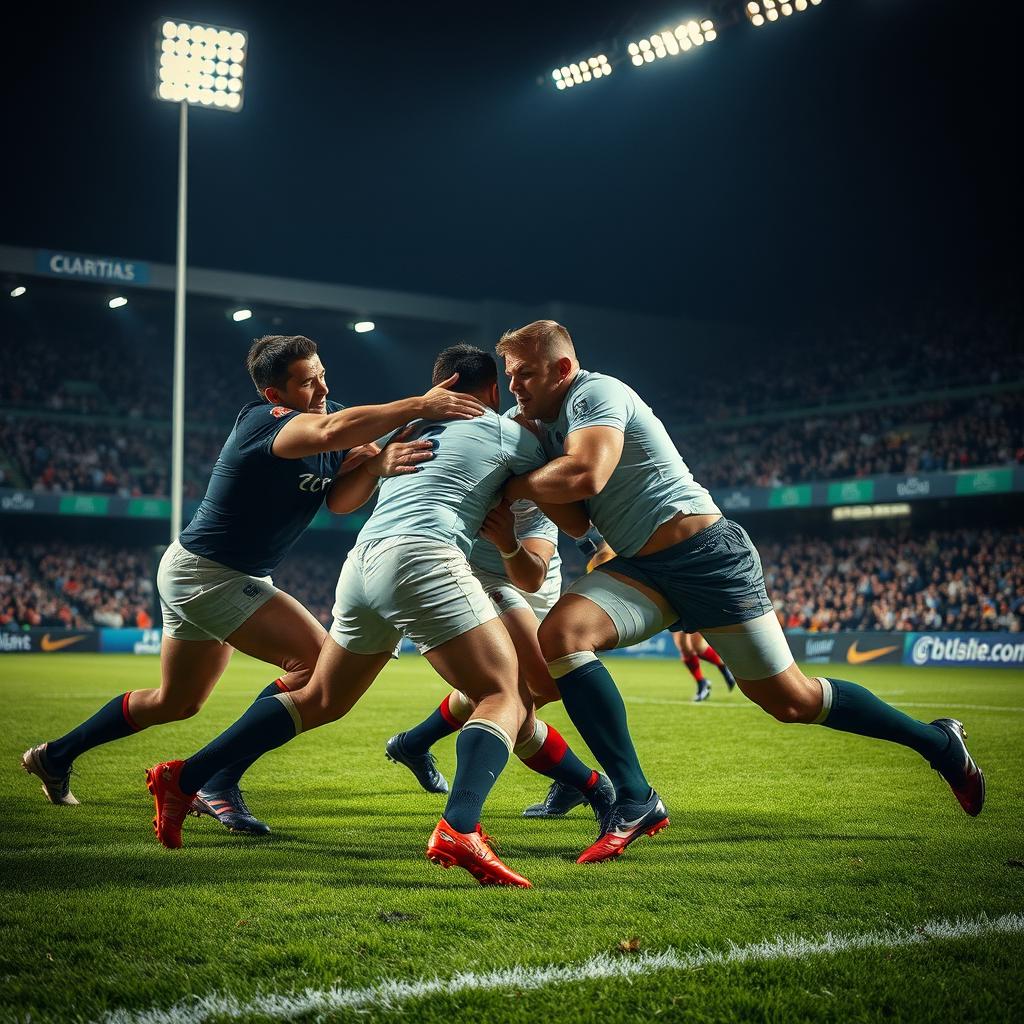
{"x": 357, "y": 456}
{"x": 401, "y": 456}
{"x": 500, "y": 527}
{"x": 440, "y": 403}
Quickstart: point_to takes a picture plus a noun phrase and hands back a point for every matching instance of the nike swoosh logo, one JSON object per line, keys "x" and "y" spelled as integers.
{"x": 855, "y": 657}
{"x": 47, "y": 644}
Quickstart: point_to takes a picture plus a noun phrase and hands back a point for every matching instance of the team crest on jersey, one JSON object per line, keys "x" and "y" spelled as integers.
{"x": 580, "y": 406}
{"x": 280, "y": 410}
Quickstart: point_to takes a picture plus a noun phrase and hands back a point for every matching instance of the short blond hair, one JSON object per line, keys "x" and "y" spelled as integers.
{"x": 545, "y": 337}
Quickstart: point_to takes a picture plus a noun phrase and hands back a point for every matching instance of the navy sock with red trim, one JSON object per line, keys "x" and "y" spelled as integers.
{"x": 111, "y": 722}
{"x": 232, "y": 775}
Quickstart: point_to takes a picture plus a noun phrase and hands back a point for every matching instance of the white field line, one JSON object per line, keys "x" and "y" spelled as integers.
{"x": 393, "y": 994}
{"x": 749, "y": 705}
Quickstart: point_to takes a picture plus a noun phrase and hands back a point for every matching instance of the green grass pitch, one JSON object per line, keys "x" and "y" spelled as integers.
{"x": 776, "y": 830}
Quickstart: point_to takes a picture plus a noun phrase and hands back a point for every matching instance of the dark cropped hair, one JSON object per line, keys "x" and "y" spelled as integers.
{"x": 270, "y": 356}
{"x": 475, "y": 367}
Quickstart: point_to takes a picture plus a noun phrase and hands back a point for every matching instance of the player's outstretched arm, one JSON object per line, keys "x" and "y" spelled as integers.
{"x": 526, "y": 563}
{"x": 358, "y": 477}
{"x": 309, "y": 433}
{"x": 591, "y": 455}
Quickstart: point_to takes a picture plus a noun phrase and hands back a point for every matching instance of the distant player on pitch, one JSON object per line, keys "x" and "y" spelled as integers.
{"x": 276, "y": 468}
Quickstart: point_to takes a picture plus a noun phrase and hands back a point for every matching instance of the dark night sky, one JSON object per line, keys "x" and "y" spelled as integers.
{"x": 854, "y": 154}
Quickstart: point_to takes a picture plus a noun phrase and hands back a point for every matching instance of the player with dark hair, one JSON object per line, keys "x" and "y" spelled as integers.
{"x": 680, "y": 564}
{"x": 279, "y": 463}
{"x": 408, "y": 575}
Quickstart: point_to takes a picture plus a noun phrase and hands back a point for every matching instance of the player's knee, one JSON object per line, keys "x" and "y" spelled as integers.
{"x": 558, "y": 637}
{"x": 178, "y": 711}
{"x": 790, "y": 709}
{"x": 789, "y": 714}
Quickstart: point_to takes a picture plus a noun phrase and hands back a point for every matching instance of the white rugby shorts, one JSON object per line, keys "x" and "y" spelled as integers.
{"x": 507, "y": 596}
{"x": 406, "y": 586}
{"x": 203, "y": 600}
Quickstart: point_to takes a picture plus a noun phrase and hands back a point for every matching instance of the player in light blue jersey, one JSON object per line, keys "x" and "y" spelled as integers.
{"x": 516, "y": 559}
{"x": 408, "y": 575}
{"x": 680, "y": 565}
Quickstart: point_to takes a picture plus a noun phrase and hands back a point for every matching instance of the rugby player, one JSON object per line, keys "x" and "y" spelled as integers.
{"x": 693, "y": 649}
{"x": 408, "y": 575}
{"x": 271, "y": 477}
{"x": 680, "y": 564}
{"x": 516, "y": 559}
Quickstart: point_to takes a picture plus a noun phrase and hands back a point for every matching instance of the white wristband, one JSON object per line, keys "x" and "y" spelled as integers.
{"x": 511, "y": 554}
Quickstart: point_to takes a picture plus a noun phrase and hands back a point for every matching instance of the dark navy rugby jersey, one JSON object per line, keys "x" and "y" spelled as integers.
{"x": 256, "y": 503}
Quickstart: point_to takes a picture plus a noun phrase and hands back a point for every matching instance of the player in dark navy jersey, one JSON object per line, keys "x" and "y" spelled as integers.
{"x": 271, "y": 477}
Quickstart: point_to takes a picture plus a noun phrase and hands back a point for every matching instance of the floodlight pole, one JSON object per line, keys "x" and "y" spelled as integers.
{"x": 178, "y": 400}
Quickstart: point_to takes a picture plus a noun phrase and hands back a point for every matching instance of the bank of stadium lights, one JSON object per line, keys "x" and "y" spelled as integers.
{"x": 241, "y": 314}
{"x": 760, "y": 12}
{"x": 202, "y": 65}
{"x": 363, "y": 326}
{"x": 117, "y": 302}
{"x": 589, "y": 70}
{"x": 672, "y": 42}
{"x": 16, "y": 293}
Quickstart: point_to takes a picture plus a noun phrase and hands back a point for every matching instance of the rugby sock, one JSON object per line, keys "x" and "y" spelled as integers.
{"x": 595, "y": 706}
{"x": 447, "y": 718}
{"x": 710, "y": 654}
{"x": 692, "y": 662}
{"x": 481, "y": 753}
{"x": 268, "y": 723}
{"x": 231, "y": 776}
{"x": 111, "y": 722}
{"x": 851, "y": 708}
{"x": 547, "y": 752}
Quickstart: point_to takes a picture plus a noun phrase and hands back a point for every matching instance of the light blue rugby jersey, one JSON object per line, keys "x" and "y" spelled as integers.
{"x": 530, "y": 522}
{"x": 650, "y": 484}
{"x": 448, "y": 499}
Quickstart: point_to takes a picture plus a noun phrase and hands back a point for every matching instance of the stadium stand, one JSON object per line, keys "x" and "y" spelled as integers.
{"x": 76, "y": 585}
{"x": 961, "y": 579}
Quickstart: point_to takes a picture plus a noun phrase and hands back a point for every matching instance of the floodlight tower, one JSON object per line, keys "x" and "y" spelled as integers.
{"x": 204, "y": 66}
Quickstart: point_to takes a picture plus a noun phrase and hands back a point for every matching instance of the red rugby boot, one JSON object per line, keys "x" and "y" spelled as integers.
{"x": 172, "y": 805}
{"x": 469, "y": 850}
{"x": 624, "y": 824}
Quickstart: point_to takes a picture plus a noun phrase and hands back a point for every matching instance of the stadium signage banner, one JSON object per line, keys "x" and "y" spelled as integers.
{"x": 851, "y": 648}
{"x": 891, "y": 487}
{"x": 42, "y": 503}
{"x": 44, "y": 640}
{"x": 108, "y": 269}
{"x": 965, "y": 650}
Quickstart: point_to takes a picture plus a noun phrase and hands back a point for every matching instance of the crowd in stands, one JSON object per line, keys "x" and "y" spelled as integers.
{"x": 918, "y": 438}
{"x": 960, "y": 579}
{"x": 875, "y": 360}
{"x": 77, "y": 586}
{"x": 62, "y": 456}
{"x": 944, "y": 579}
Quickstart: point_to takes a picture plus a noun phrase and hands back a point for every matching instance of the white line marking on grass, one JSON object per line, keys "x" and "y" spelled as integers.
{"x": 392, "y": 994}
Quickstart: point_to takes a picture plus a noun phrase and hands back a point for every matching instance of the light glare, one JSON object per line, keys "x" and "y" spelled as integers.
{"x": 241, "y": 314}
{"x": 20, "y": 290}
{"x": 363, "y": 326}
{"x": 117, "y": 302}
